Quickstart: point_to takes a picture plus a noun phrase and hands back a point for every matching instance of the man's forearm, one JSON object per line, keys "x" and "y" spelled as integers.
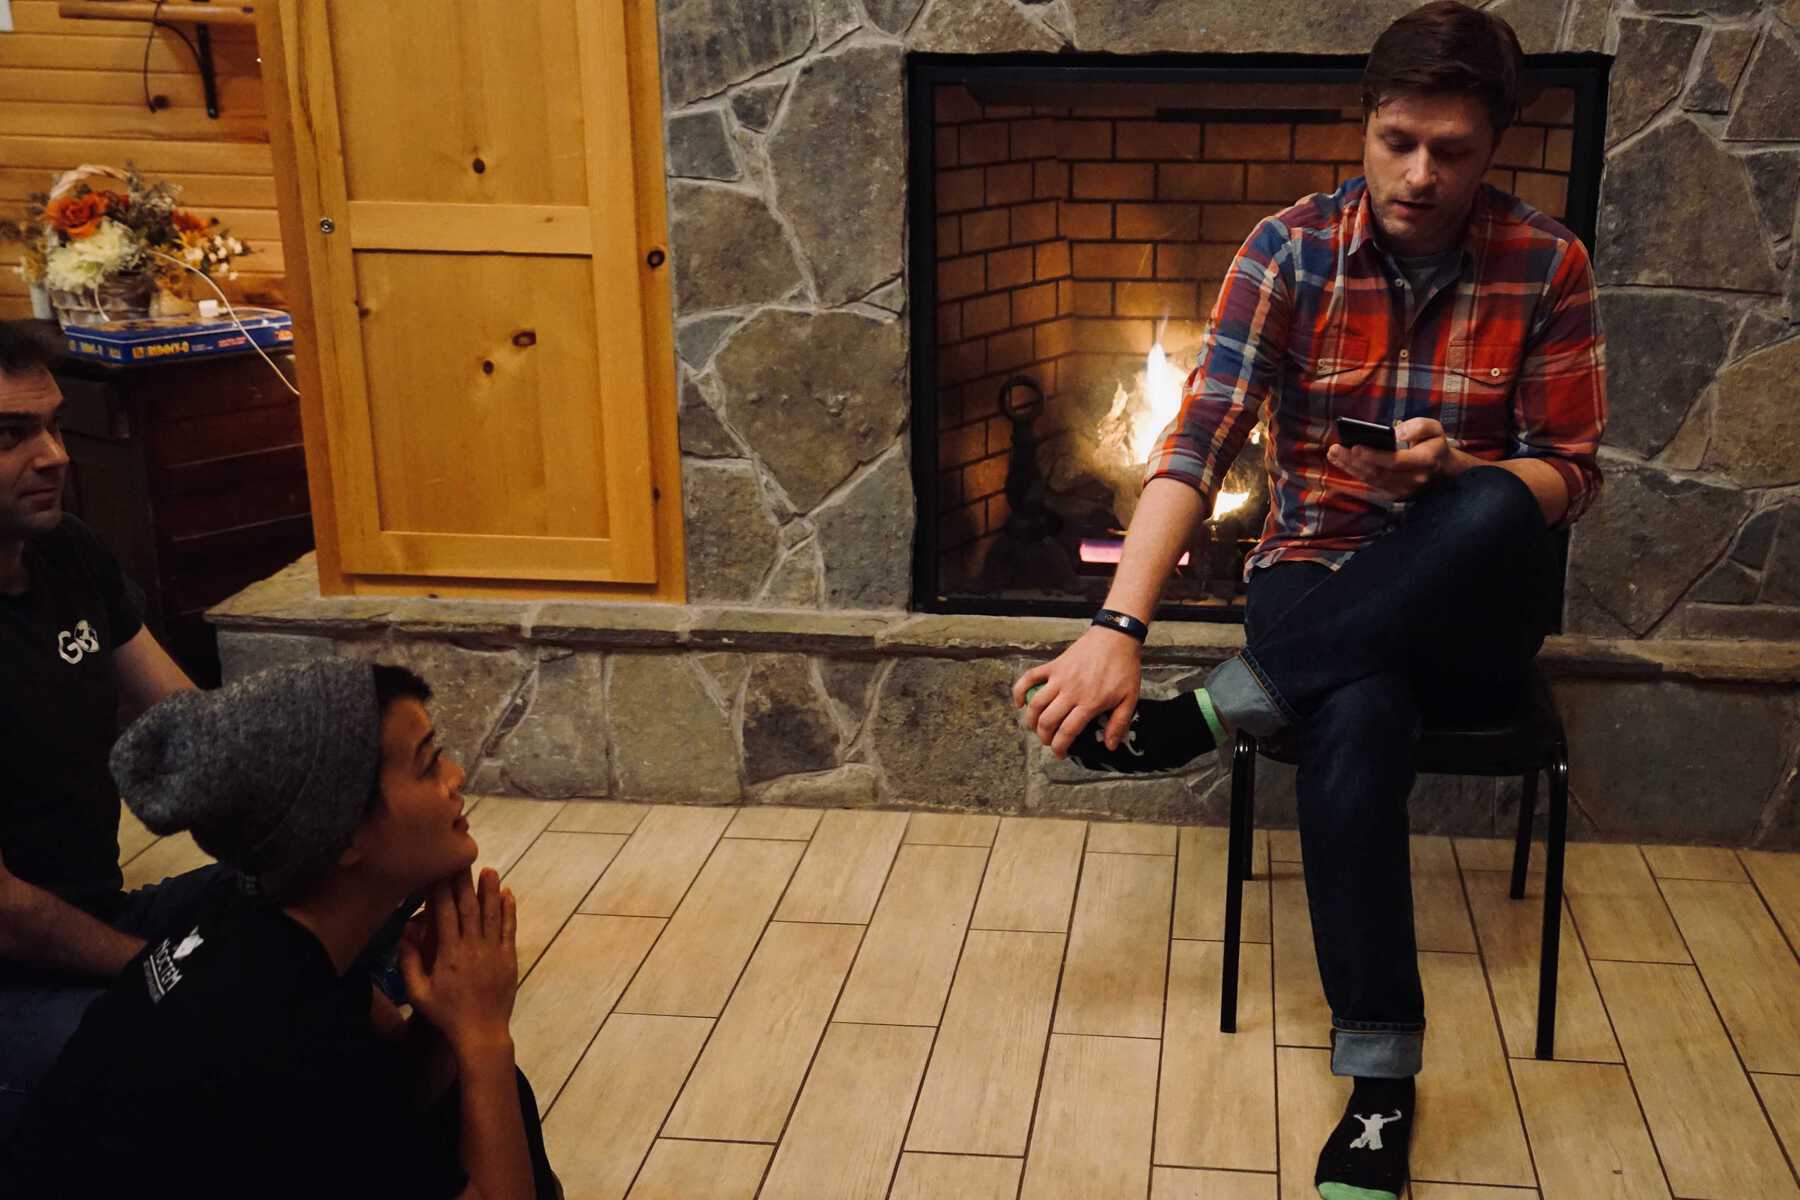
{"x": 41, "y": 930}
{"x": 1160, "y": 530}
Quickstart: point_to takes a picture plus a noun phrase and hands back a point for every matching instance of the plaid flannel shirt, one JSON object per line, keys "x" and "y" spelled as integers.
{"x": 1315, "y": 322}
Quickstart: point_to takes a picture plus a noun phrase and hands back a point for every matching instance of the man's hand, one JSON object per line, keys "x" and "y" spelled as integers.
{"x": 1099, "y": 673}
{"x": 1398, "y": 474}
{"x": 467, "y": 991}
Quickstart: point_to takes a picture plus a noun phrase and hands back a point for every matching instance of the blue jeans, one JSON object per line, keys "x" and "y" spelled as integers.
{"x": 1443, "y": 615}
{"x": 39, "y": 1015}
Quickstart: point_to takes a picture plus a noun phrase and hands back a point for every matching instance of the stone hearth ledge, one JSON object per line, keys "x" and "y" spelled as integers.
{"x": 289, "y": 603}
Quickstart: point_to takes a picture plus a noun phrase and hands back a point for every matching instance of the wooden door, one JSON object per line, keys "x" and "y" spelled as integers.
{"x": 476, "y": 282}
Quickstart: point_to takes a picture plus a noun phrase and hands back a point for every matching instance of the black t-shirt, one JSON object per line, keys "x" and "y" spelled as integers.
{"x": 232, "y": 1061}
{"x": 59, "y": 704}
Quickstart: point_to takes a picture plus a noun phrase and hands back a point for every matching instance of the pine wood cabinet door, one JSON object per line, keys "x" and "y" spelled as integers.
{"x": 475, "y": 281}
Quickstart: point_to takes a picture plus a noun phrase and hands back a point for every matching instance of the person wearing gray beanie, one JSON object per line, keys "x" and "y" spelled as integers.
{"x": 271, "y": 774}
{"x": 255, "y": 1034}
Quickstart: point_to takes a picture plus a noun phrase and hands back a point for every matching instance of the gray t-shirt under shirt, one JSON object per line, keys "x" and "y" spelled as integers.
{"x": 1427, "y": 271}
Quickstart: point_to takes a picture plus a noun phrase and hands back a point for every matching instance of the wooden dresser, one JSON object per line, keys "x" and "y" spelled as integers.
{"x": 193, "y": 472}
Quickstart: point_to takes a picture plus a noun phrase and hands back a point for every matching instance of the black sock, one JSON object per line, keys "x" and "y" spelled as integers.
{"x": 1365, "y": 1158}
{"x": 1164, "y": 736}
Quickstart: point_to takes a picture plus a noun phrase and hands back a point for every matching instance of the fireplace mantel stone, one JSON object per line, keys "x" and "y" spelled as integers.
{"x": 887, "y": 707}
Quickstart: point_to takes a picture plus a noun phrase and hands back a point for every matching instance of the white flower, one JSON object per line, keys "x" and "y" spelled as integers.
{"x": 109, "y": 250}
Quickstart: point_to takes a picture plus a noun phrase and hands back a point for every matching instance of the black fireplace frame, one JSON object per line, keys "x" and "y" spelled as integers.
{"x": 1584, "y": 74}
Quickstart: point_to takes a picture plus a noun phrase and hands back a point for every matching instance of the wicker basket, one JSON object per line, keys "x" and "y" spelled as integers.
{"x": 125, "y": 298}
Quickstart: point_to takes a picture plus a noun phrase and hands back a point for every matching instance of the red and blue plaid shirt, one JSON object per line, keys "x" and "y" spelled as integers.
{"x": 1313, "y": 324}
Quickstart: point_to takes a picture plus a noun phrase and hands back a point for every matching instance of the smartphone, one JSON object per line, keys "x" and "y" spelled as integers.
{"x": 1352, "y": 432}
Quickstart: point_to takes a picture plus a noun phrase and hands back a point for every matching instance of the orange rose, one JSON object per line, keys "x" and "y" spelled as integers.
{"x": 188, "y": 222}
{"x": 78, "y": 216}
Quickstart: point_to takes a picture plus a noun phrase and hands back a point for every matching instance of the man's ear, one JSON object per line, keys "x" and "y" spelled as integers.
{"x": 358, "y": 849}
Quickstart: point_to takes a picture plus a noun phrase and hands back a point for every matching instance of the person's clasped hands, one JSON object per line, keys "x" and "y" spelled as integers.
{"x": 460, "y": 959}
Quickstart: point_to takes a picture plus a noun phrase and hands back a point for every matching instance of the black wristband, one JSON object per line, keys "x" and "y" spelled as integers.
{"x": 1112, "y": 618}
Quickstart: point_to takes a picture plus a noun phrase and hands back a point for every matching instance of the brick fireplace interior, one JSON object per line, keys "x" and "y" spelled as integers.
{"x": 1075, "y": 221}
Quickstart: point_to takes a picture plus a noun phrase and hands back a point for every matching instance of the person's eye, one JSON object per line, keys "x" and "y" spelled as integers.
{"x": 11, "y": 436}
{"x": 431, "y": 768}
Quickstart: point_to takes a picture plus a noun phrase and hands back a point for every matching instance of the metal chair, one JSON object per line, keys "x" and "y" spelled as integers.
{"x": 1523, "y": 742}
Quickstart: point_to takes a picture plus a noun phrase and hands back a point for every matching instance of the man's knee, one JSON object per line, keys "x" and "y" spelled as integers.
{"x": 1356, "y": 761}
{"x": 1376, "y": 710}
{"x": 1489, "y": 500}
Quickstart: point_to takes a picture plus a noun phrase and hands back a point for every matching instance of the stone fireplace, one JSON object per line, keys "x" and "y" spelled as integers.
{"x": 1079, "y": 220}
{"x": 814, "y": 664}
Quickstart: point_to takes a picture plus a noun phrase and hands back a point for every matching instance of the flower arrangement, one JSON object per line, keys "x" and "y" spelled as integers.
{"x": 107, "y": 244}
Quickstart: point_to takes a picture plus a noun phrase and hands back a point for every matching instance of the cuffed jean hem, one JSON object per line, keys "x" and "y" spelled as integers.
{"x": 1240, "y": 697}
{"x": 1376, "y": 1055}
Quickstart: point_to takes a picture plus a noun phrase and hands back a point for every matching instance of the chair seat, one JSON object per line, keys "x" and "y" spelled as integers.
{"x": 1511, "y": 742}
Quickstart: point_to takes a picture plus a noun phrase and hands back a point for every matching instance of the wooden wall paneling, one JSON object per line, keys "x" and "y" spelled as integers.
{"x": 72, "y": 92}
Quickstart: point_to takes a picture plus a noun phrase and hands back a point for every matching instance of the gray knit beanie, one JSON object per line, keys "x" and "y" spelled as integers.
{"x": 271, "y": 773}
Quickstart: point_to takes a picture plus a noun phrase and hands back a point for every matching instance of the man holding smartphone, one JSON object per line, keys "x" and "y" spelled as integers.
{"x": 1387, "y": 581}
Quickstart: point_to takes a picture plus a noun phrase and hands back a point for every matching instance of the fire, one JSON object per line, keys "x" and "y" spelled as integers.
{"x": 1162, "y": 393}
{"x": 1228, "y": 502}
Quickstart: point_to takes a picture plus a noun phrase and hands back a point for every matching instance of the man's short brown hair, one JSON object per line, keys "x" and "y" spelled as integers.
{"x": 24, "y": 349}
{"x": 1448, "y": 47}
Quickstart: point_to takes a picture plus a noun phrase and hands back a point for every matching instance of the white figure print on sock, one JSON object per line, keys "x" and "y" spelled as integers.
{"x": 1372, "y": 1126}
{"x": 1130, "y": 742}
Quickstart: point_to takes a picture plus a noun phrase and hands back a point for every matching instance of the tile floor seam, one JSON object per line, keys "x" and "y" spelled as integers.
{"x": 1624, "y": 1062}
{"x": 1163, "y": 1025}
{"x": 1062, "y": 967}
{"x": 831, "y": 1015}
{"x": 1487, "y": 981}
{"x": 937, "y": 1029}
{"x": 623, "y": 992}
{"x": 1770, "y": 908}
{"x": 1730, "y": 1039}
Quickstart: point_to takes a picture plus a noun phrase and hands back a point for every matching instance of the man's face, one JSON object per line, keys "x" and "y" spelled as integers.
{"x": 33, "y": 463}
{"x": 416, "y": 834}
{"x": 1424, "y": 157}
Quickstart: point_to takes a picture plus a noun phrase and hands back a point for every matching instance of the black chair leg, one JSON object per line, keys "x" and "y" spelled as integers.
{"x": 1551, "y": 944}
{"x": 1237, "y": 839}
{"x": 1522, "y": 851}
{"x": 1246, "y": 832}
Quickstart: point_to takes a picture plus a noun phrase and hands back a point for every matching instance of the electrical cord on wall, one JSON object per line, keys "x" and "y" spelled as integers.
{"x": 232, "y": 313}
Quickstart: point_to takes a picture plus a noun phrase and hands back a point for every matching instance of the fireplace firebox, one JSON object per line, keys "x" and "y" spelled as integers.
{"x": 1072, "y": 218}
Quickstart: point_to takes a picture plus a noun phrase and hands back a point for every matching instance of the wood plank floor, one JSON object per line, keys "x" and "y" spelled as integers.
{"x": 891, "y": 1006}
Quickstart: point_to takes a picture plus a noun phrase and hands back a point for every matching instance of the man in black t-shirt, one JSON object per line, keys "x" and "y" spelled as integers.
{"x": 74, "y": 653}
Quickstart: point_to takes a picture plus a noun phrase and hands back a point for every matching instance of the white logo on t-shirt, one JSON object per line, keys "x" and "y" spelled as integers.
{"x": 74, "y": 646}
{"x": 160, "y": 972}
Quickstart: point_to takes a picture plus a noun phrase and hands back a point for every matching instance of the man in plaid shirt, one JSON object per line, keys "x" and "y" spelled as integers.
{"x": 1386, "y": 583}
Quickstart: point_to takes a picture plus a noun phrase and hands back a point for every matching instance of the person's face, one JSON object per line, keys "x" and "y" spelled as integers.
{"x": 1424, "y": 157}
{"x": 33, "y": 463}
{"x": 416, "y": 834}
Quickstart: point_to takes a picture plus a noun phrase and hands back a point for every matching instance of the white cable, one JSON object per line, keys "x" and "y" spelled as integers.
{"x": 232, "y": 313}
